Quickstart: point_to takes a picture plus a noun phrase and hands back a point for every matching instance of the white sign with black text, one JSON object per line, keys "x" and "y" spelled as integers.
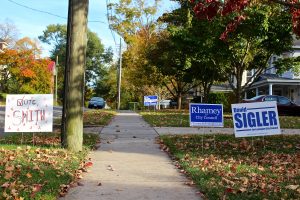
{"x": 255, "y": 119}
{"x": 29, "y": 113}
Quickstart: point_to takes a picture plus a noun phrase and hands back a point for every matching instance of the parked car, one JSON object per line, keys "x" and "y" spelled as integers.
{"x": 284, "y": 105}
{"x": 96, "y": 102}
{"x": 165, "y": 103}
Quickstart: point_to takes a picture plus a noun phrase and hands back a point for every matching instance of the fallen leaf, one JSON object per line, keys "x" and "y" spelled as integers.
{"x": 8, "y": 175}
{"x": 5, "y": 185}
{"x": 29, "y": 175}
{"x": 36, "y": 167}
{"x": 88, "y": 164}
{"x": 9, "y": 168}
{"x": 35, "y": 189}
{"x": 292, "y": 187}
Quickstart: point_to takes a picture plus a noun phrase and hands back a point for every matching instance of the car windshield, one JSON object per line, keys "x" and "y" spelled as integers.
{"x": 257, "y": 97}
{"x": 97, "y": 99}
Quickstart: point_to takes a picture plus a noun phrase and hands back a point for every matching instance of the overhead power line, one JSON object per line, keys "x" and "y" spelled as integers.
{"x": 46, "y": 12}
{"x": 108, "y": 20}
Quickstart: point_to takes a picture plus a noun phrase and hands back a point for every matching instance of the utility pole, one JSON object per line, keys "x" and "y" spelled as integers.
{"x": 56, "y": 73}
{"x": 72, "y": 116}
{"x": 119, "y": 76}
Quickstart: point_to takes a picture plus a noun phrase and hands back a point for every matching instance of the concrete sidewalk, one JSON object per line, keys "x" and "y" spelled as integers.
{"x": 129, "y": 166}
{"x": 191, "y": 130}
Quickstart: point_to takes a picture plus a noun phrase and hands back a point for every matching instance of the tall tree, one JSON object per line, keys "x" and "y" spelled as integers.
{"x": 266, "y": 31}
{"x": 23, "y": 73}
{"x": 97, "y": 57}
{"x": 72, "y": 117}
{"x": 135, "y": 22}
{"x": 131, "y": 16}
{"x": 27, "y": 43}
{"x": 209, "y": 9}
{"x": 9, "y": 32}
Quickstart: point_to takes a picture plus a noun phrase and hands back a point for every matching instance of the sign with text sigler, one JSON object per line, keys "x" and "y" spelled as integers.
{"x": 206, "y": 115}
{"x": 255, "y": 119}
{"x": 29, "y": 113}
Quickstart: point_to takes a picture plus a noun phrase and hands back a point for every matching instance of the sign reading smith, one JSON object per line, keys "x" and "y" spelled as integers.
{"x": 208, "y": 115}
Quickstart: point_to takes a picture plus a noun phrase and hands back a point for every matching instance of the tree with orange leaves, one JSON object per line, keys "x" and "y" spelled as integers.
{"x": 21, "y": 72}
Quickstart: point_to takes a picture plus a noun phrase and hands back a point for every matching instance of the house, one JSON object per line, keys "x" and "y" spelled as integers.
{"x": 287, "y": 84}
{"x": 3, "y": 45}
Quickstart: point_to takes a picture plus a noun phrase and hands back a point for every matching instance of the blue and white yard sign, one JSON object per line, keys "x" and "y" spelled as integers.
{"x": 208, "y": 115}
{"x": 150, "y": 100}
{"x": 255, "y": 119}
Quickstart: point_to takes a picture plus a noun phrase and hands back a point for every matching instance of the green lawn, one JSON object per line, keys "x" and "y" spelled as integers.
{"x": 33, "y": 166}
{"x": 40, "y": 171}
{"x": 95, "y": 117}
{"x": 173, "y": 118}
{"x": 224, "y": 167}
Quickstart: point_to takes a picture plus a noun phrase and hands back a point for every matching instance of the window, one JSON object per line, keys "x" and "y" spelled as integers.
{"x": 270, "y": 98}
{"x": 283, "y": 101}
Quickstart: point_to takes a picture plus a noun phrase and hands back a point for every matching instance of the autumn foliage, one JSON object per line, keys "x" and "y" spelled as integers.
{"x": 208, "y": 9}
{"x": 24, "y": 73}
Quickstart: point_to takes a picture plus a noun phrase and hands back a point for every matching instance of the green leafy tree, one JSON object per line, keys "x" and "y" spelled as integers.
{"x": 97, "y": 57}
{"x": 131, "y": 16}
{"x": 135, "y": 21}
{"x": 263, "y": 33}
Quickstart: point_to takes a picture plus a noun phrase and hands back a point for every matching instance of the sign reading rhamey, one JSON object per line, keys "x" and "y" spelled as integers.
{"x": 29, "y": 113}
{"x": 255, "y": 119}
{"x": 206, "y": 115}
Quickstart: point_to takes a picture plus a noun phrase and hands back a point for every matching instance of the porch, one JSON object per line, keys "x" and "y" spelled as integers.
{"x": 272, "y": 84}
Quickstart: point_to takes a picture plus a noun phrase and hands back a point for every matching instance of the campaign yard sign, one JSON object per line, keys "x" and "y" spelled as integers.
{"x": 206, "y": 115}
{"x": 255, "y": 119}
{"x": 150, "y": 100}
{"x": 29, "y": 113}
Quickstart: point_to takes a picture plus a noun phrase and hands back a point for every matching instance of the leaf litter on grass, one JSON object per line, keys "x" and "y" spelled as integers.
{"x": 40, "y": 172}
{"x": 225, "y": 167}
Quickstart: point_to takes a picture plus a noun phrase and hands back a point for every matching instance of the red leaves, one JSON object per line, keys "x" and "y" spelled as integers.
{"x": 88, "y": 164}
{"x": 296, "y": 20}
{"x": 207, "y": 10}
{"x": 231, "y": 27}
{"x": 234, "y": 6}
{"x": 29, "y": 73}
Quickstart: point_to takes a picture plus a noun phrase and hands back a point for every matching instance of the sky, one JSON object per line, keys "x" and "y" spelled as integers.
{"x": 31, "y": 23}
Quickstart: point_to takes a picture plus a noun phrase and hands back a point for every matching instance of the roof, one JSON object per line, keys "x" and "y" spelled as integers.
{"x": 221, "y": 88}
{"x": 266, "y": 79}
{"x": 271, "y": 77}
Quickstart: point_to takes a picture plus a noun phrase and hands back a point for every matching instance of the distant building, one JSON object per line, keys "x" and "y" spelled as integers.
{"x": 3, "y": 45}
{"x": 287, "y": 84}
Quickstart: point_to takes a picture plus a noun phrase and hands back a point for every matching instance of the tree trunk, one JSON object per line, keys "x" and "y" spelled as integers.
{"x": 179, "y": 99}
{"x": 72, "y": 118}
{"x": 238, "y": 91}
